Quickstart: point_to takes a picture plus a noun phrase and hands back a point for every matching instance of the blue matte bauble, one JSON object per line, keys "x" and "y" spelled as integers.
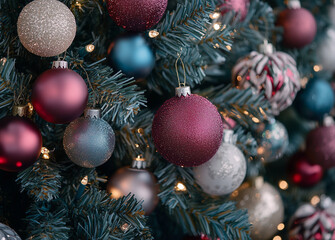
{"x": 132, "y": 55}
{"x": 316, "y": 100}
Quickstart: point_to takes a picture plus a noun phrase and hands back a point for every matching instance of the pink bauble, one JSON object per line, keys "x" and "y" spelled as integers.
{"x": 302, "y": 172}
{"x": 238, "y": 6}
{"x": 320, "y": 146}
{"x": 59, "y": 95}
{"x": 136, "y": 15}
{"x": 229, "y": 123}
{"x": 20, "y": 143}
{"x": 187, "y": 131}
{"x": 299, "y": 27}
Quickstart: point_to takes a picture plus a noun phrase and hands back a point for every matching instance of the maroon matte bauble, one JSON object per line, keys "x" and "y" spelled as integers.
{"x": 302, "y": 172}
{"x": 238, "y": 6}
{"x": 59, "y": 95}
{"x": 299, "y": 27}
{"x": 20, "y": 143}
{"x": 136, "y": 15}
{"x": 187, "y": 131}
{"x": 320, "y": 146}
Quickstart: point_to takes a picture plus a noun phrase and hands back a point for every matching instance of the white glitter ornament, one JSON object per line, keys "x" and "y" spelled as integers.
{"x": 224, "y": 172}
{"x": 46, "y": 27}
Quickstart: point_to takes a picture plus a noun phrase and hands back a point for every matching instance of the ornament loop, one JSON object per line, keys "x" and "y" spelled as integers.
{"x": 182, "y": 64}
{"x": 60, "y": 64}
{"x": 92, "y": 113}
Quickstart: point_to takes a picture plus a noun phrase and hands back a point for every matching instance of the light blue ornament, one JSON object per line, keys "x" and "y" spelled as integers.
{"x": 132, "y": 55}
{"x": 316, "y": 100}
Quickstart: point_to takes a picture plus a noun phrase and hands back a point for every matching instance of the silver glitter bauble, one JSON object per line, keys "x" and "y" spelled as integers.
{"x": 46, "y": 27}
{"x": 265, "y": 207}
{"x": 89, "y": 141}
{"x": 272, "y": 139}
{"x": 138, "y": 181}
{"x": 6, "y": 233}
{"x": 224, "y": 172}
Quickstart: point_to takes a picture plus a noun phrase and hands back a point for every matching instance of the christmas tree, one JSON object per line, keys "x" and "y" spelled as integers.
{"x": 188, "y": 119}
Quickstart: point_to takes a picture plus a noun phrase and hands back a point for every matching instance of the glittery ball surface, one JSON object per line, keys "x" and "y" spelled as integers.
{"x": 46, "y": 27}
{"x": 187, "y": 131}
{"x": 6, "y": 233}
{"x": 89, "y": 142}
{"x": 136, "y": 15}
{"x": 224, "y": 173}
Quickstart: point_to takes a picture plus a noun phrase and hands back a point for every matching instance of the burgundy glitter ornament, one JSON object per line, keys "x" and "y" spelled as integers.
{"x": 273, "y": 72}
{"x": 314, "y": 222}
{"x": 239, "y": 6}
{"x": 59, "y": 95}
{"x": 136, "y": 15}
{"x": 320, "y": 146}
{"x": 302, "y": 172}
{"x": 20, "y": 143}
{"x": 187, "y": 129}
{"x": 299, "y": 25}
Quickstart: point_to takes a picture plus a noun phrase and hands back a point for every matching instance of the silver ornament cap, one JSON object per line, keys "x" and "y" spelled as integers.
{"x": 183, "y": 91}
{"x": 228, "y": 136}
{"x": 92, "y": 113}
{"x": 293, "y": 4}
{"x": 139, "y": 163}
{"x": 60, "y": 64}
{"x": 328, "y": 121}
{"x": 21, "y": 111}
{"x": 266, "y": 48}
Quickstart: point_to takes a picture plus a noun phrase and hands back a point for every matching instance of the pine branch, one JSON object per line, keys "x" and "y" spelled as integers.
{"x": 41, "y": 181}
{"x": 96, "y": 209}
{"x": 47, "y": 221}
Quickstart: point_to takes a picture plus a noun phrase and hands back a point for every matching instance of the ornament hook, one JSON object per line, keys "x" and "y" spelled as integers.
{"x": 176, "y": 66}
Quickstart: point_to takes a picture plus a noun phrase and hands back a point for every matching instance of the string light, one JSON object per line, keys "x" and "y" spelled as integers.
{"x": 276, "y": 238}
{"x": 84, "y": 181}
{"x": 45, "y": 153}
{"x": 140, "y": 158}
{"x": 180, "y": 187}
{"x": 90, "y": 48}
{"x": 214, "y": 15}
{"x": 125, "y": 227}
{"x": 315, "y": 200}
{"x": 228, "y": 47}
{"x": 280, "y": 226}
{"x": 255, "y": 120}
{"x": 3, "y": 60}
{"x": 216, "y": 26}
{"x": 136, "y": 145}
{"x": 317, "y": 68}
{"x": 153, "y": 33}
{"x": 283, "y": 185}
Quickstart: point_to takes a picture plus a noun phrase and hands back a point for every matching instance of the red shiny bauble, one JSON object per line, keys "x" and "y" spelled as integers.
{"x": 320, "y": 148}
{"x": 136, "y": 15}
{"x": 59, "y": 95}
{"x": 238, "y": 6}
{"x": 299, "y": 27}
{"x": 187, "y": 131}
{"x": 20, "y": 143}
{"x": 302, "y": 172}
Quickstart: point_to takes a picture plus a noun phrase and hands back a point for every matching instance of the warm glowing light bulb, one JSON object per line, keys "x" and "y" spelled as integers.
{"x": 283, "y": 185}
{"x": 276, "y": 238}
{"x": 90, "y": 48}
{"x": 216, "y": 26}
{"x": 214, "y": 15}
{"x": 180, "y": 187}
{"x": 315, "y": 200}
{"x": 153, "y": 33}
{"x": 317, "y": 68}
{"x": 84, "y": 181}
{"x": 280, "y": 226}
